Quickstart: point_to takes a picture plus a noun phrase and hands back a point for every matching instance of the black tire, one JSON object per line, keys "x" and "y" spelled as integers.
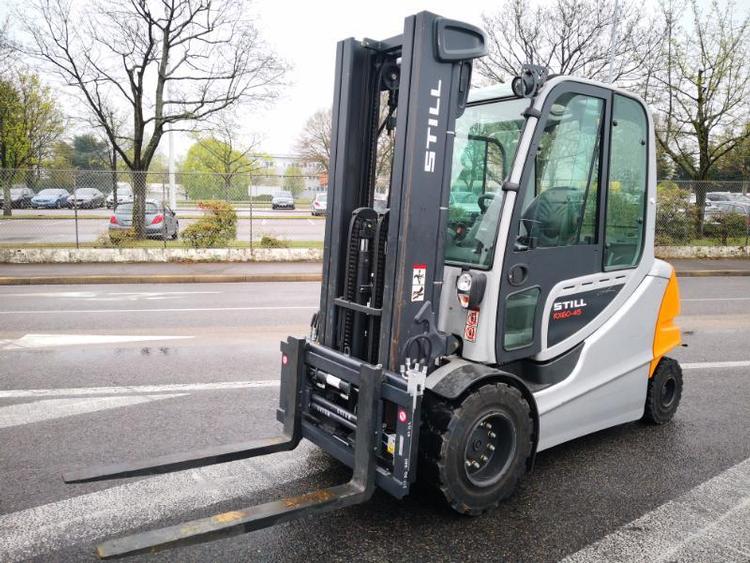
{"x": 664, "y": 392}
{"x": 453, "y": 438}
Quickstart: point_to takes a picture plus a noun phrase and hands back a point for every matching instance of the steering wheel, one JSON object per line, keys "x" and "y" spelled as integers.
{"x": 484, "y": 201}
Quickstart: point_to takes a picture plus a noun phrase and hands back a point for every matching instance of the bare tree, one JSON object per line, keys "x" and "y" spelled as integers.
{"x": 172, "y": 64}
{"x": 570, "y": 37}
{"x": 702, "y": 94}
{"x": 314, "y": 143}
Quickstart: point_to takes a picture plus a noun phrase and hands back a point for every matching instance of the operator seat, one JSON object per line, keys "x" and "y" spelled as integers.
{"x": 553, "y": 216}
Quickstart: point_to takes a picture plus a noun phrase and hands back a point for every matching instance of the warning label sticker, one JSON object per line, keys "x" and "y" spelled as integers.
{"x": 418, "y": 277}
{"x": 470, "y": 330}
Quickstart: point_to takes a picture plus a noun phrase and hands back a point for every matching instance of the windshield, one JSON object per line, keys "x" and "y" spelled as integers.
{"x": 284, "y": 194}
{"x": 323, "y": 197}
{"x": 486, "y": 141}
{"x": 50, "y": 192}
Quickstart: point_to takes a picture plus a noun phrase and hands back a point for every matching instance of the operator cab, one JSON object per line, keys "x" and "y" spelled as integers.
{"x": 563, "y": 216}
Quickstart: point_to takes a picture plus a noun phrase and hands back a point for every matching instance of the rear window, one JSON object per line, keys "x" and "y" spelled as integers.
{"x": 127, "y": 208}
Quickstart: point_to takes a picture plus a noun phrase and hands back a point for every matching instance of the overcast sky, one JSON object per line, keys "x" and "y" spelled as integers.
{"x": 306, "y": 33}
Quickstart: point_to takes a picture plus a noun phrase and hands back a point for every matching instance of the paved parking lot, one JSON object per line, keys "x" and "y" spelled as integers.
{"x": 94, "y": 374}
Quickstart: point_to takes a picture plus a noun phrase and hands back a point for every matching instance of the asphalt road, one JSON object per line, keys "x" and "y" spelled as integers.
{"x": 197, "y": 365}
{"x": 25, "y": 231}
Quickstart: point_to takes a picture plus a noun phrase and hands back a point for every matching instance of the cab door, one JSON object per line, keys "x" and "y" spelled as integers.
{"x": 556, "y": 228}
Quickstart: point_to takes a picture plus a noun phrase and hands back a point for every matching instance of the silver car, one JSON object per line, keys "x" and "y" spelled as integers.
{"x": 161, "y": 222}
{"x": 282, "y": 200}
{"x": 319, "y": 204}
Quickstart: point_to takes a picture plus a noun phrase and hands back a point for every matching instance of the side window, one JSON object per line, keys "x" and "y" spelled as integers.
{"x": 520, "y": 309}
{"x": 626, "y": 196}
{"x": 560, "y": 207}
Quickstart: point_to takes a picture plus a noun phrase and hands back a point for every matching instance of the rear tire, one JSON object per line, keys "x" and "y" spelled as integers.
{"x": 476, "y": 451}
{"x": 664, "y": 392}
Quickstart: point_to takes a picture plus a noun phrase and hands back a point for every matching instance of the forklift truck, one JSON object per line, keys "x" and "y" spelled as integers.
{"x": 506, "y": 300}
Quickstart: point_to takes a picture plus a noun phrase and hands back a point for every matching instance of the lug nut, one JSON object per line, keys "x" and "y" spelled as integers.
{"x": 475, "y": 464}
{"x": 468, "y": 463}
{"x": 492, "y": 435}
{"x": 491, "y": 447}
{"x": 484, "y": 458}
{"x": 488, "y": 426}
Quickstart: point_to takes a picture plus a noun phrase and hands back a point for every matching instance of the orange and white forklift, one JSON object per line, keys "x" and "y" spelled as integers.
{"x": 506, "y": 300}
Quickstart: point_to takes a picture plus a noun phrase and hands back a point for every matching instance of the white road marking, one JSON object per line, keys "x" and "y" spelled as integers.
{"x": 88, "y": 518}
{"x": 715, "y": 365}
{"x": 137, "y": 389}
{"x": 95, "y": 294}
{"x": 48, "y": 409}
{"x": 719, "y": 299}
{"x": 708, "y": 521}
{"x": 50, "y": 340}
{"x": 165, "y": 310}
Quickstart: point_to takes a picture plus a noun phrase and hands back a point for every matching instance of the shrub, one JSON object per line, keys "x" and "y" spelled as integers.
{"x": 217, "y": 227}
{"x": 272, "y": 242}
{"x": 673, "y": 214}
{"x": 726, "y": 225}
{"x": 115, "y": 239}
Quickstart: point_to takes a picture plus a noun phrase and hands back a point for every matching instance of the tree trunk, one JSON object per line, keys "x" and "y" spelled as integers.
{"x": 139, "y": 203}
{"x": 7, "y": 179}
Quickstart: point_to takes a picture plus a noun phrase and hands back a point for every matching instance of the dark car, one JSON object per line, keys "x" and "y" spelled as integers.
{"x": 20, "y": 196}
{"x": 282, "y": 200}
{"x": 161, "y": 221}
{"x": 86, "y": 198}
{"x": 51, "y": 197}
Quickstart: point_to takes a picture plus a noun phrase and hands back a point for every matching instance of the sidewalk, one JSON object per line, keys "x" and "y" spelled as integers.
{"x": 37, "y": 274}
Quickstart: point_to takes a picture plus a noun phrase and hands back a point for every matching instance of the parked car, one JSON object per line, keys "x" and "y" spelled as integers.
{"x": 51, "y": 197}
{"x": 282, "y": 200}
{"x": 124, "y": 195}
{"x": 161, "y": 221}
{"x": 717, "y": 208}
{"x": 86, "y": 198}
{"x": 20, "y": 196}
{"x": 320, "y": 204}
{"x": 718, "y": 196}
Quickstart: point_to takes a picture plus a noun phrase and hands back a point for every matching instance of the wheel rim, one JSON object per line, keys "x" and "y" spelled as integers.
{"x": 490, "y": 449}
{"x": 668, "y": 391}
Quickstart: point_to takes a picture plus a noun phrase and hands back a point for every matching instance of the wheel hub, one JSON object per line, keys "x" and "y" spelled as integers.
{"x": 489, "y": 449}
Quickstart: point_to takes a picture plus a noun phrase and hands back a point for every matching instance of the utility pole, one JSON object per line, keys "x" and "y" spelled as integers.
{"x": 612, "y": 40}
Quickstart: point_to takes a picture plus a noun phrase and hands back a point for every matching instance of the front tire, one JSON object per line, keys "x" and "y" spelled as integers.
{"x": 664, "y": 392}
{"x": 476, "y": 451}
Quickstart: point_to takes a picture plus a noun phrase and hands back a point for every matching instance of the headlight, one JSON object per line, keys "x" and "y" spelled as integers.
{"x": 470, "y": 289}
{"x": 464, "y": 282}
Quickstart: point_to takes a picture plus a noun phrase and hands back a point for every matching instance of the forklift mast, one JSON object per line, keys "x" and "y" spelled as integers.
{"x": 383, "y": 271}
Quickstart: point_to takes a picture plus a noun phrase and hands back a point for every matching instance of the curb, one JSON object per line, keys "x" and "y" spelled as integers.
{"x": 245, "y": 278}
{"x": 712, "y": 273}
{"x": 166, "y": 278}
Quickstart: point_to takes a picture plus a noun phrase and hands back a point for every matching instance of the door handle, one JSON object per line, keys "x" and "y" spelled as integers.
{"x": 518, "y": 274}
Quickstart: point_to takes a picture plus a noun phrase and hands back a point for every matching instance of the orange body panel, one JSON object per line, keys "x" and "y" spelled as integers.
{"x": 667, "y": 334}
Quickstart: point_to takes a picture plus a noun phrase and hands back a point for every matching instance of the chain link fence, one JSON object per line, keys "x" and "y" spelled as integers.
{"x": 702, "y": 213}
{"x": 94, "y": 208}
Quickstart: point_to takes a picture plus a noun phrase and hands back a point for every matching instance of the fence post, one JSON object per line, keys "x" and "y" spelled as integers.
{"x": 75, "y": 205}
{"x": 251, "y": 216}
{"x": 163, "y": 207}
